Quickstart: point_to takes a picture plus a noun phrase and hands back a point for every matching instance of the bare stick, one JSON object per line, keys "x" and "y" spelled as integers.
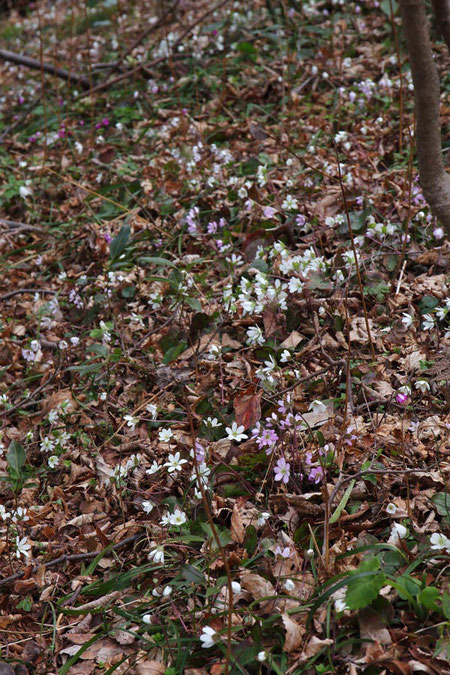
{"x": 69, "y": 558}
{"x": 20, "y": 227}
{"x": 27, "y": 61}
{"x": 18, "y": 291}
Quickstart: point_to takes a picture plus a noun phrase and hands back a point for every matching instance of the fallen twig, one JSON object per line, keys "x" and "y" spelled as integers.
{"x": 18, "y": 291}
{"x": 29, "y": 62}
{"x": 20, "y": 227}
{"x": 70, "y": 558}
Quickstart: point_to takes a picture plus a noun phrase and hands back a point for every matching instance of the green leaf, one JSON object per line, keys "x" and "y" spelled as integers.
{"x": 191, "y": 573}
{"x": 408, "y": 584}
{"x": 361, "y": 592}
{"x": 428, "y": 598}
{"x": 442, "y": 503}
{"x": 446, "y": 605}
{"x": 16, "y": 456}
{"x": 251, "y": 540}
{"x": 194, "y": 304}
{"x": 427, "y": 304}
{"x": 343, "y": 503}
{"x": 173, "y": 352}
{"x": 119, "y": 243}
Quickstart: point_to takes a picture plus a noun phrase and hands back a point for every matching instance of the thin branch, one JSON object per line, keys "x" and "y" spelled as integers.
{"x": 18, "y": 291}
{"x": 70, "y": 558}
{"x": 29, "y": 62}
{"x": 20, "y": 227}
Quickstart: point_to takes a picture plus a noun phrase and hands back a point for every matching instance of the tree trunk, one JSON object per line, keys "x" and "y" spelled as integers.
{"x": 433, "y": 178}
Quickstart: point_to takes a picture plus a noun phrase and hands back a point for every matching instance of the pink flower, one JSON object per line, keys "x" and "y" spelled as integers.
{"x": 401, "y": 398}
{"x": 269, "y": 212}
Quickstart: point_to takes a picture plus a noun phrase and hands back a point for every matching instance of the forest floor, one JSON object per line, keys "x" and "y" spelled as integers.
{"x": 224, "y": 345}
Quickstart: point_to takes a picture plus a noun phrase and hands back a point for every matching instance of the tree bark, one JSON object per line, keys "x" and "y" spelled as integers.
{"x": 434, "y": 180}
{"x": 442, "y": 13}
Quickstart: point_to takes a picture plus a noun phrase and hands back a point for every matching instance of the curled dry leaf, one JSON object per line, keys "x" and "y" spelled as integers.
{"x": 237, "y": 526}
{"x": 313, "y": 647}
{"x": 294, "y": 634}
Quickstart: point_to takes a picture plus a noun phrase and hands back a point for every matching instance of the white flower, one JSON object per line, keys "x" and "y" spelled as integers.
{"x": 208, "y": 637}
{"x": 25, "y": 191}
{"x": 165, "y": 520}
{"x": 289, "y": 203}
{"x": 147, "y": 618}
{"x": 236, "y": 587}
{"x": 178, "y": 517}
{"x": 157, "y": 554}
{"x": 4, "y": 399}
{"x": 398, "y": 532}
{"x": 78, "y": 147}
{"x": 391, "y": 509}
{"x": 261, "y": 656}
{"x": 22, "y": 547}
{"x": 295, "y": 285}
{"x": 235, "y": 433}
{"x": 255, "y": 336}
{"x": 165, "y": 435}
{"x": 317, "y": 407}
{"x": 215, "y": 350}
{"x": 439, "y": 541}
{"x": 405, "y": 389}
{"x": 131, "y": 421}
{"x": 339, "y": 605}
{"x": 152, "y": 409}
{"x": 20, "y": 515}
{"x": 422, "y": 385}
{"x": 103, "y": 396}
{"x": 166, "y": 591}
{"x": 262, "y": 518}
{"x": 47, "y": 445}
{"x": 285, "y": 356}
{"x": 53, "y": 461}
{"x": 289, "y": 585}
{"x": 153, "y": 469}
{"x": 148, "y": 506}
{"x": 175, "y": 463}
{"x": 309, "y": 554}
{"x": 212, "y": 422}
{"x": 407, "y": 320}
{"x": 428, "y": 322}
{"x": 4, "y": 514}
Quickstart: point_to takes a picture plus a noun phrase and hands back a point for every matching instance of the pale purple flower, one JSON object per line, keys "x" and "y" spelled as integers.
{"x": 282, "y": 470}
{"x": 283, "y": 552}
{"x": 269, "y": 212}
{"x": 300, "y": 220}
{"x": 316, "y": 474}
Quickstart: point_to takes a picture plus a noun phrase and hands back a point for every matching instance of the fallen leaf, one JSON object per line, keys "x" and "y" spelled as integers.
{"x": 237, "y": 528}
{"x": 150, "y": 668}
{"x": 294, "y": 634}
{"x": 247, "y": 407}
{"x": 314, "y": 646}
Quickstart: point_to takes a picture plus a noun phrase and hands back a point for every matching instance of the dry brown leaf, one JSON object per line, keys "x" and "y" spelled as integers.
{"x": 247, "y": 407}
{"x": 372, "y": 627}
{"x": 294, "y": 634}
{"x": 313, "y": 647}
{"x": 150, "y": 668}
{"x": 259, "y": 588}
{"x": 292, "y": 341}
{"x": 237, "y": 527}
